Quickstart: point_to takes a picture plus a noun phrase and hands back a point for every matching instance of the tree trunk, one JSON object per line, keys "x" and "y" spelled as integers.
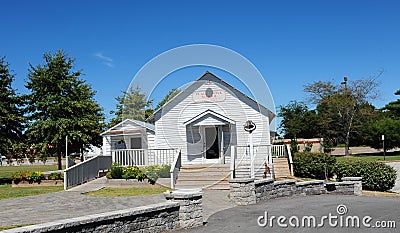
{"x": 59, "y": 159}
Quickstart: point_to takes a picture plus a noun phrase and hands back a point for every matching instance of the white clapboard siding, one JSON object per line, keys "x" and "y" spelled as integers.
{"x": 171, "y": 131}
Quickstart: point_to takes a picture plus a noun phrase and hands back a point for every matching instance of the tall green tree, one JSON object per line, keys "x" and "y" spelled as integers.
{"x": 171, "y": 94}
{"x": 388, "y": 124}
{"x": 298, "y": 121}
{"x": 393, "y": 108}
{"x": 12, "y": 121}
{"x": 339, "y": 105}
{"x": 130, "y": 105}
{"x": 61, "y": 104}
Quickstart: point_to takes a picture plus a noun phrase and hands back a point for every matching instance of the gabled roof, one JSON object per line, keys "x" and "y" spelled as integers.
{"x": 125, "y": 127}
{"x": 264, "y": 109}
{"x": 209, "y": 113}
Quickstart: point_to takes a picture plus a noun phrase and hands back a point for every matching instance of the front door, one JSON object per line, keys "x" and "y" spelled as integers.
{"x": 212, "y": 143}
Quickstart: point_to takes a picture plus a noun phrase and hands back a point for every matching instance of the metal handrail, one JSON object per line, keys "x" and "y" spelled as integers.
{"x": 85, "y": 171}
{"x": 175, "y": 168}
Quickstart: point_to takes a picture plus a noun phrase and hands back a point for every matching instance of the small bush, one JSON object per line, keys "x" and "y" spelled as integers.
{"x": 116, "y": 171}
{"x": 313, "y": 165}
{"x": 20, "y": 176}
{"x": 133, "y": 172}
{"x": 31, "y": 177}
{"x": 376, "y": 176}
{"x": 153, "y": 172}
{"x": 56, "y": 176}
{"x": 35, "y": 177}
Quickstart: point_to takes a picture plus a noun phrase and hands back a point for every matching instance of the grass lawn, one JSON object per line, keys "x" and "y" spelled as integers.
{"x": 370, "y": 157}
{"x": 6, "y": 191}
{"x": 2, "y": 228}
{"x": 124, "y": 192}
{"x": 7, "y": 171}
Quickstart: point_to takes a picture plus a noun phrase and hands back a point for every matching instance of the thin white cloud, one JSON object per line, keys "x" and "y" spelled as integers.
{"x": 108, "y": 61}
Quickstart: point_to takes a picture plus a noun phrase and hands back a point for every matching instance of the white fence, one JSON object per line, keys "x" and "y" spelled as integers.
{"x": 279, "y": 151}
{"x": 144, "y": 157}
{"x": 263, "y": 154}
{"x": 86, "y": 170}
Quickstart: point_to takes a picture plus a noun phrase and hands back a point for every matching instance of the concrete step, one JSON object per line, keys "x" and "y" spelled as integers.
{"x": 216, "y": 186}
{"x": 281, "y": 167}
{"x": 206, "y": 176}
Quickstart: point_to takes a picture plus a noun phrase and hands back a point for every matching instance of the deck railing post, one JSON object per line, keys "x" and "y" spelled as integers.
{"x": 233, "y": 158}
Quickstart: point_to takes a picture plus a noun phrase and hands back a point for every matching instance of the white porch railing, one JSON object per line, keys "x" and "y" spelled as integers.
{"x": 86, "y": 170}
{"x": 263, "y": 155}
{"x": 143, "y": 157}
{"x": 279, "y": 151}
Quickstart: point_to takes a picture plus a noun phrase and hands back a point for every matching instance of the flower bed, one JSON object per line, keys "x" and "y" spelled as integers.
{"x": 42, "y": 183}
{"x": 36, "y": 178}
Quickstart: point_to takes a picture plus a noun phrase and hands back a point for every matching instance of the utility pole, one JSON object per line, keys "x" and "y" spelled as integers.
{"x": 346, "y": 149}
{"x": 383, "y": 144}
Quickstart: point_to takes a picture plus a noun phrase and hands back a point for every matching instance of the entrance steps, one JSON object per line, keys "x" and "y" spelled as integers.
{"x": 206, "y": 176}
{"x": 281, "y": 167}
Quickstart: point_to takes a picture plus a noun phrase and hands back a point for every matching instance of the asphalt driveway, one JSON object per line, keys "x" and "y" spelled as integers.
{"x": 374, "y": 211}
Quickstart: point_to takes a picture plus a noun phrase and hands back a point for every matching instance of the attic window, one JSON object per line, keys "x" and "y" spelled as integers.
{"x": 209, "y": 92}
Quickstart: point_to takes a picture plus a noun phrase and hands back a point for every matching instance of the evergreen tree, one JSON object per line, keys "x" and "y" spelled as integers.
{"x": 61, "y": 104}
{"x": 171, "y": 94}
{"x": 393, "y": 108}
{"x": 11, "y": 114}
{"x": 131, "y": 105}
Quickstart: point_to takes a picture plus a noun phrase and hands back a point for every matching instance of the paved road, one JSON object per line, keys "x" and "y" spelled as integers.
{"x": 244, "y": 218}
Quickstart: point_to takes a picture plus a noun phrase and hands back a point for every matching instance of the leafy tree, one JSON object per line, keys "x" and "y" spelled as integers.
{"x": 171, "y": 94}
{"x": 393, "y": 108}
{"x": 12, "y": 121}
{"x": 298, "y": 121}
{"x": 61, "y": 104}
{"x": 131, "y": 105}
{"x": 339, "y": 106}
{"x": 386, "y": 123}
{"x": 385, "y": 126}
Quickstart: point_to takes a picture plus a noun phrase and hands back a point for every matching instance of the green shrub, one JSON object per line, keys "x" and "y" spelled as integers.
{"x": 153, "y": 172}
{"x": 376, "y": 176}
{"x": 31, "y": 177}
{"x": 133, "y": 172}
{"x": 116, "y": 171}
{"x": 56, "y": 176}
{"x": 20, "y": 176}
{"x": 313, "y": 165}
{"x": 35, "y": 177}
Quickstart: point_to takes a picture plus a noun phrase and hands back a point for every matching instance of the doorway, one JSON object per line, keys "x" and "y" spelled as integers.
{"x": 212, "y": 142}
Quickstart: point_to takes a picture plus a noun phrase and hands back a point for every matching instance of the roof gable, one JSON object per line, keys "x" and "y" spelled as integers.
{"x": 206, "y": 117}
{"x": 208, "y": 76}
{"x": 129, "y": 126}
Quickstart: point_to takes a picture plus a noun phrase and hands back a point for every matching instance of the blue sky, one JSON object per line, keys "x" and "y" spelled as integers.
{"x": 292, "y": 43}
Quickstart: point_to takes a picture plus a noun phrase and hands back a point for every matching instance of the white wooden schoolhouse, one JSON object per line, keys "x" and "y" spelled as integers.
{"x": 201, "y": 127}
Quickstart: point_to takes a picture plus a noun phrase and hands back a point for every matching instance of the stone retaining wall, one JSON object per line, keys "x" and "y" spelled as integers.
{"x": 180, "y": 211}
{"x": 152, "y": 218}
{"x": 249, "y": 191}
{"x": 191, "y": 208}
